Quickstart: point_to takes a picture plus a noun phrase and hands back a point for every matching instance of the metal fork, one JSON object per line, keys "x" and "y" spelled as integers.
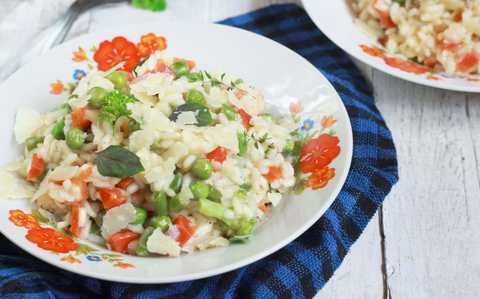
{"x": 55, "y": 34}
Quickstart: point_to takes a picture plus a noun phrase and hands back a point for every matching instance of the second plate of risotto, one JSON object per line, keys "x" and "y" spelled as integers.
{"x": 434, "y": 43}
{"x": 149, "y": 156}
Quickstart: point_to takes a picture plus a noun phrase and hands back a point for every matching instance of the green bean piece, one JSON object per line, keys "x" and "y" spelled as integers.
{"x": 195, "y": 96}
{"x": 119, "y": 79}
{"x": 175, "y": 204}
{"x": 211, "y": 209}
{"x": 32, "y": 142}
{"x": 97, "y": 94}
{"x": 214, "y": 194}
{"x": 229, "y": 112}
{"x": 179, "y": 68}
{"x": 200, "y": 190}
{"x": 162, "y": 222}
{"x": 75, "y": 138}
{"x": 289, "y": 147}
{"x": 57, "y": 130}
{"x": 242, "y": 143}
{"x": 176, "y": 183}
{"x": 142, "y": 242}
{"x": 160, "y": 203}
{"x": 140, "y": 216}
{"x": 202, "y": 169}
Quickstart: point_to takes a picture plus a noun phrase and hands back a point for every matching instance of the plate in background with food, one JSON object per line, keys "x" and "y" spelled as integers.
{"x": 151, "y": 156}
{"x": 434, "y": 43}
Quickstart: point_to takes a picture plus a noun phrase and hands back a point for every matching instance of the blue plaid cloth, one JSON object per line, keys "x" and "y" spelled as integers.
{"x": 301, "y": 268}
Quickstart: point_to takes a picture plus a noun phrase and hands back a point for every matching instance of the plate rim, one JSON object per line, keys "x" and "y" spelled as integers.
{"x": 311, "y": 11}
{"x": 348, "y": 150}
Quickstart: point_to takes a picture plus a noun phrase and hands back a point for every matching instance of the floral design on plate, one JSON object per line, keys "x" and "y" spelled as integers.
{"x": 410, "y": 66}
{"x": 53, "y": 240}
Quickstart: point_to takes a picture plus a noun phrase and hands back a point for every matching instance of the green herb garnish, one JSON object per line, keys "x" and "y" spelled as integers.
{"x": 116, "y": 161}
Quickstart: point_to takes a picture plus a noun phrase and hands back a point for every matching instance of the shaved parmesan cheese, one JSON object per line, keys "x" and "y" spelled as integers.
{"x": 186, "y": 118}
{"x": 26, "y": 123}
{"x": 160, "y": 243}
{"x": 117, "y": 219}
{"x": 13, "y": 186}
{"x": 63, "y": 173}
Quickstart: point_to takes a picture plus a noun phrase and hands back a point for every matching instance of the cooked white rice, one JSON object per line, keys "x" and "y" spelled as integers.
{"x": 443, "y": 35}
{"x": 164, "y": 146}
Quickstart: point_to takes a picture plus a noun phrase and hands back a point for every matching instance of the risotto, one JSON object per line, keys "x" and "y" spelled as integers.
{"x": 443, "y": 35}
{"x": 162, "y": 160}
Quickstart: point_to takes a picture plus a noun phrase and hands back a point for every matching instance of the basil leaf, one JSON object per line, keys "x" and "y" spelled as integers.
{"x": 202, "y": 114}
{"x": 116, "y": 161}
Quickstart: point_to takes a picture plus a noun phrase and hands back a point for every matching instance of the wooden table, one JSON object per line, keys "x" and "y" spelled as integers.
{"x": 425, "y": 241}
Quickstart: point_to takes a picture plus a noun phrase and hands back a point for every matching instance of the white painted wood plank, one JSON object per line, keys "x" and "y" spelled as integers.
{"x": 431, "y": 218}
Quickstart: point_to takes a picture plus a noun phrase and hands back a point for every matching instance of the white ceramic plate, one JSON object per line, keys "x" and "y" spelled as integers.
{"x": 335, "y": 20}
{"x": 284, "y": 76}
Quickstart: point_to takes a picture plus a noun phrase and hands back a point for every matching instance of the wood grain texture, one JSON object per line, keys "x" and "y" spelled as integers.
{"x": 430, "y": 219}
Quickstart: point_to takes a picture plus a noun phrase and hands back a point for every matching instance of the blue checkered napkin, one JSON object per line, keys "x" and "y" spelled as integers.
{"x": 304, "y": 266}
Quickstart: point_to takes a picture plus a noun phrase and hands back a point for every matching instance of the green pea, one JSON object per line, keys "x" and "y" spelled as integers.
{"x": 196, "y": 76}
{"x": 162, "y": 222}
{"x": 160, "y": 203}
{"x": 140, "y": 216}
{"x": 32, "y": 142}
{"x": 289, "y": 147}
{"x": 176, "y": 183}
{"x": 141, "y": 249}
{"x": 214, "y": 194}
{"x": 75, "y": 138}
{"x": 175, "y": 204}
{"x": 57, "y": 130}
{"x": 119, "y": 79}
{"x": 202, "y": 169}
{"x": 242, "y": 143}
{"x": 199, "y": 190}
{"x": 97, "y": 94}
{"x": 195, "y": 96}
{"x": 229, "y": 112}
{"x": 180, "y": 69}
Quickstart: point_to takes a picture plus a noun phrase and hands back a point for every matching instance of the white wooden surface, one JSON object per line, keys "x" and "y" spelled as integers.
{"x": 425, "y": 243}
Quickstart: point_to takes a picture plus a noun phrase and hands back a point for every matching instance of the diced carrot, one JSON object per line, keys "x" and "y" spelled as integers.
{"x": 79, "y": 119}
{"x": 468, "y": 61}
{"x": 125, "y": 182}
{"x": 37, "y": 167}
{"x": 185, "y": 228}
{"x": 246, "y": 118}
{"x": 448, "y": 45}
{"x": 119, "y": 242}
{"x": 385, "y": 19}
{"x": 111, "y": 197}
{"x": 74, "y": 220}
{"x": 219, "y": 154}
